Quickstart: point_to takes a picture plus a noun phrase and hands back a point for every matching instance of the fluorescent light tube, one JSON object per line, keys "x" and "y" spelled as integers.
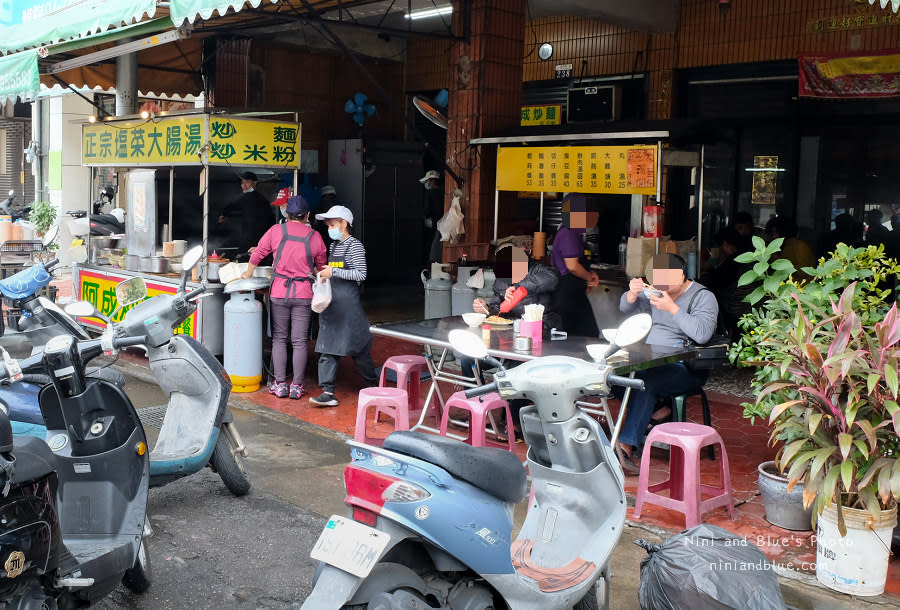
{"x": 425, "y": 13}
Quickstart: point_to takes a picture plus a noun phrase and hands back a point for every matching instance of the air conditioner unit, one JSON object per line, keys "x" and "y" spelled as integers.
{"x": 594, "y": 104}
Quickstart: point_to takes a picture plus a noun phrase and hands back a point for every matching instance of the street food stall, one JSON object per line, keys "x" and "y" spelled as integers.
{"x": 631, "y": 169}
{"x": 195, "y": 145}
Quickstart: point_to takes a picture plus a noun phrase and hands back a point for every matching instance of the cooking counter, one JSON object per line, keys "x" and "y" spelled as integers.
{"x": 97, "y": 283}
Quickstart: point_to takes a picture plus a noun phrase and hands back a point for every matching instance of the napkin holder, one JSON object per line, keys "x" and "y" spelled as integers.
{"x": 533, "y": 329}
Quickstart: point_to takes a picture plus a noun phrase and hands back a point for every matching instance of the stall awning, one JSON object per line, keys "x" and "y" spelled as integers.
{"x": 19, "y": 76}
{"x": 895, "y": 4}
{"x": 34, "y": 23}
{"x": 191, "y": 10}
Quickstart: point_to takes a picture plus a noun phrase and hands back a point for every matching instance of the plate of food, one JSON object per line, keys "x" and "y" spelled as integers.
{"x": 498, "y": 321}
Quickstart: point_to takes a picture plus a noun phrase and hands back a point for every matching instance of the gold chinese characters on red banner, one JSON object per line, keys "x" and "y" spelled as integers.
{"x": 578, "y": 169}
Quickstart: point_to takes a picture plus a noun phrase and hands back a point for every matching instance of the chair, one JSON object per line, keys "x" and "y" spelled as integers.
{"x": 389, "y": 401}
{"x": 408, "y": 369}
{"x": 678, "y": 410}
{"x": 479, "y": 410}
{"x": 685, "y": 441}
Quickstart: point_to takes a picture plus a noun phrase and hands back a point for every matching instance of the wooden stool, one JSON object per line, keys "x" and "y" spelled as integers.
{"x": 685, "y": 489}
{"x": 478, "y": 409}
{"x": 390, "y": 401}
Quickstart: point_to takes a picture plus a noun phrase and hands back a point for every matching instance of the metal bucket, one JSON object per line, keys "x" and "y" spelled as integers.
{"x": 132, "y": 262}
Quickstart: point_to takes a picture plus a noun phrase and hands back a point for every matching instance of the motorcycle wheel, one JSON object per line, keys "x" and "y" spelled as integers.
{"x": 140, "y": 576}
{"x": 597, "y": 598}
{"x": 229, "y": 464}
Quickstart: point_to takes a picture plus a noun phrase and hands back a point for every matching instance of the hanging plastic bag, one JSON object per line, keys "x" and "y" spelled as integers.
{"x": 321, "y": 294}
{"x": 707, "y": 567}
{"x": 451, "y": 224}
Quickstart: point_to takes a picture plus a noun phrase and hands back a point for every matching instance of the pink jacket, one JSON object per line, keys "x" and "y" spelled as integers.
{"x": 294, "y": 260}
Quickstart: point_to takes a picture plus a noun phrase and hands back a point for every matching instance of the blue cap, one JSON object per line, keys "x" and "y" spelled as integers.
{"x": 296, "y": 205}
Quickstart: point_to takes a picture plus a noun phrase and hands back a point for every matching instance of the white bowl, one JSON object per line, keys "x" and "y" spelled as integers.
{"x": 597, "y": 350}
{"x": 609, "y": 334}
{"x": 473, "y": 319}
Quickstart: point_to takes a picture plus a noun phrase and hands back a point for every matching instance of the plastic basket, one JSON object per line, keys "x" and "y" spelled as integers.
{"x": 21, "y": 246}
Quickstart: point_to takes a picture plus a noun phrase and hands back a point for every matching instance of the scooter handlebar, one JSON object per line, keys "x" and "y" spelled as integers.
{"x": 482, "y": 390}
{"x": 628, "y": 382}
{"x": 49, "y": 266}
{"x": 120, "y": 342}
{"x": 193, "y": 293}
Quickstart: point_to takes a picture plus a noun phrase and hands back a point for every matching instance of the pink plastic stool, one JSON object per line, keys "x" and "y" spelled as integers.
{"x": 409, "y": 370}
{"x": 478, "y": 409}
{"x": 390, "y": 401}
{"x": 685, "y": 489}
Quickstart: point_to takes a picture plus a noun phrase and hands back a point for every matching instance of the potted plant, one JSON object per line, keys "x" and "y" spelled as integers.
{"x": 827, "y": 353}
{"x": 42, "y": 216}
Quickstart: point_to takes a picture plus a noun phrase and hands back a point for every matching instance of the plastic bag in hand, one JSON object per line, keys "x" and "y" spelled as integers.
{"x": 451, "y": 224}
{"x": 321, "y": 294}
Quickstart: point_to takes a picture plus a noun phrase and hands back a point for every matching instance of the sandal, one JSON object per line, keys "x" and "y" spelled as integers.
{"x": 627, "y": 464}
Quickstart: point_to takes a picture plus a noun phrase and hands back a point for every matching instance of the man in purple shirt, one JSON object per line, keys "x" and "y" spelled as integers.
{"x": 575, "y": 279}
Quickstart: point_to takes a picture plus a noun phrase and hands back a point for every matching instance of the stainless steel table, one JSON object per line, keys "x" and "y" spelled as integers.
{"x": 433, "y": 335}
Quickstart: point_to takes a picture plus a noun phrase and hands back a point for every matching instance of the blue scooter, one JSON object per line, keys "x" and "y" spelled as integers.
{"x": 431, "y": 518}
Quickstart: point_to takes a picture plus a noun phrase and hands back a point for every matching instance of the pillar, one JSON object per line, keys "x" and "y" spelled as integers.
{"x": 485, "y": 99}
{"x": 126, "y": 84}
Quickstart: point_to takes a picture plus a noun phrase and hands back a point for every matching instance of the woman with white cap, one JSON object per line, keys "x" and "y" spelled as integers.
{"x": 343, "y": 326}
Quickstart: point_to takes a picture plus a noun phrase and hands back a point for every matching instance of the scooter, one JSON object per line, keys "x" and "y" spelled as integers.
{"x": 9, "y": 208}
{"x": 431, "y": 518}
{"x": 98, "y": 223}
{"x": 73, "y": 517}
{"x": 196, "y": 427}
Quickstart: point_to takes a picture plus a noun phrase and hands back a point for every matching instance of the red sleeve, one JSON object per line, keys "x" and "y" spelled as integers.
{"x": 266, "y": 245}
{"x": 319, "y": 251}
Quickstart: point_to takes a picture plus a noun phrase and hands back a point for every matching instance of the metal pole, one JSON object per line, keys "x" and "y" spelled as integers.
{"x": 496, "y": 211}
{"x": 700, "y": 205}
{"x": 171, "y": 202}
{"x": 658, "y": 170}
{"x": 205, "y": 219}
{"x": 126, "y": 84}
{"x": 541, "y": 217}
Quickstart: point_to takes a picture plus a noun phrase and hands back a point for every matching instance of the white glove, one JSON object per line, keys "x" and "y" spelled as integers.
{"x": 429, "y": 223}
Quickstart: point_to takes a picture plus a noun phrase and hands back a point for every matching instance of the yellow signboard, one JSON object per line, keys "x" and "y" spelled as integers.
{"x": 100, "y": 290}
{"x": 179, "y": 140}
{"x": 163, "y": 141}
{"x": 250, "y": 142}
{"x": 580, "y": 169}
{"x": 541, "y": 115}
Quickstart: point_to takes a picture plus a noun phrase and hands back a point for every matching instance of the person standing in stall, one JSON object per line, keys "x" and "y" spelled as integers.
{"x": 299, "y": 252}
{"x": 567, "y": 255}
{"x": 432, "y": 211}
{"x": 250, "y": 212}
{"x": 343, "y": 326}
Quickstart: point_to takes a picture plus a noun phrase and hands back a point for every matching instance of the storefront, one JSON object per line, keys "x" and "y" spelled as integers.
{"x": 196, "y": 144}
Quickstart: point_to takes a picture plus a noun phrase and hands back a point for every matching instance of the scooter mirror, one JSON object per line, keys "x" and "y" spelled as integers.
{"x": 131, "y": 291}
{"x": 633, "y": 329}
{"x": 83, "y": 309}
{"x": 468, "y": 344}
{"x": 191, "y": 258}
{"x": 50, "y": 235}
{"x": 11, "y": 192}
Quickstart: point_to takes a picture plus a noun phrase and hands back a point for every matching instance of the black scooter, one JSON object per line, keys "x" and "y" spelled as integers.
{"x": 8, "y": 207}
{"x": 73, "y": 509}
{"x": 99, "y": 224}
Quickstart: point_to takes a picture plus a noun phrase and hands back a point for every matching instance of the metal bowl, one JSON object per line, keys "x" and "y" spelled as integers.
{"x": 105, "y": 242}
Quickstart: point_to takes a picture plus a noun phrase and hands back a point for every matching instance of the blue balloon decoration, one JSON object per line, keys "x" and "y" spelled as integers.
{"x": 360, "y": 107}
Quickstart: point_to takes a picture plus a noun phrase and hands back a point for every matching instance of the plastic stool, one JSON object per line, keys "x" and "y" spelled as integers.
{"x": 685, "y": 489}
{"x": 409, "y": 370}
{"x": 678, "y": 407}
{"x": 390, "y": 401}
{"x": 478, "y": 409}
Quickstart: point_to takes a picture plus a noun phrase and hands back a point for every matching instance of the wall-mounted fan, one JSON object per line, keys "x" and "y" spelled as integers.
{"x": 430, "y": 111}
{"x": 360, "y": 107}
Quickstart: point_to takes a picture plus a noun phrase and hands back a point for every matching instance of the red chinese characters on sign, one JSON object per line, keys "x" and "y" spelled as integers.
{"x": 641, "y": 168}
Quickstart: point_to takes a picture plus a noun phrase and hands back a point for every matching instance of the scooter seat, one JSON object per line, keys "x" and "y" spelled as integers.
{"x": 34, "y": 460}
{"x": 494, "y": 471}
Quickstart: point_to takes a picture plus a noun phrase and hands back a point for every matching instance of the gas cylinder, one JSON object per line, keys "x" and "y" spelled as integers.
{"x": 461, "y": 295}
{"x": 437, "y": 292}
{"x": 243, "y": 341}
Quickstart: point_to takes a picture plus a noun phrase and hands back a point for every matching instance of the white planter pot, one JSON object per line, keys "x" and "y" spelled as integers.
{"x": 856, "y": 563}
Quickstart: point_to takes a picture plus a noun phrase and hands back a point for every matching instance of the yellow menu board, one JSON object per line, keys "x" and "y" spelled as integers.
{"x": 162, "y": 141}
{"x": 581, "y": 169}
{"x": 180, "y": 140}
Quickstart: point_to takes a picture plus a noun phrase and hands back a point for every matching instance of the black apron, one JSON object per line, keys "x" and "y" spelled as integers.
{"x": 573, "y": 306}
{"x": 343, "y": 326}
{"x": 290, "y": 285}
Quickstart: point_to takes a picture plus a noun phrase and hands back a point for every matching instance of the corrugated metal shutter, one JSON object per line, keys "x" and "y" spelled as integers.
{"x": 14, "y": 145}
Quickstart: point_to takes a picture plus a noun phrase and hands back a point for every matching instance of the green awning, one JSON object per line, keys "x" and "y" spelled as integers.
{"x": 19, "y": 76}
{"x": 895, "y": 4}
{"x": 33, "y": 23}
{"x": 190, "y": 10}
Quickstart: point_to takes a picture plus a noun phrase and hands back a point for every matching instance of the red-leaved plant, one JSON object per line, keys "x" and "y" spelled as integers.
{"x": 838, "y": 416}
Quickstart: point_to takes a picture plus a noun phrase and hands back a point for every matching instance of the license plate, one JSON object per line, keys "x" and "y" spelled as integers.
{"x": 350, "y": 546}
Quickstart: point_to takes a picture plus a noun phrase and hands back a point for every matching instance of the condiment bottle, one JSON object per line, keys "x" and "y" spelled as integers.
{"x": 486, "y": 334}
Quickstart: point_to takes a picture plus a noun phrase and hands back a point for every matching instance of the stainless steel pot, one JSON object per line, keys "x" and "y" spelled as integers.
{"x": 132, "y": 262}
{"x": 158, "y": 264}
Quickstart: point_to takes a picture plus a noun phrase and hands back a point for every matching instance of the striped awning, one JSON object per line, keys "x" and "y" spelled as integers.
{"x": 191, "y": 10}
{"x": 895, "y": 4}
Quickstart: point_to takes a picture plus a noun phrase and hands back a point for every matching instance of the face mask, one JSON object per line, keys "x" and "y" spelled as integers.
{"x": 335, "y": 233}
{"x": 427, "y": 187}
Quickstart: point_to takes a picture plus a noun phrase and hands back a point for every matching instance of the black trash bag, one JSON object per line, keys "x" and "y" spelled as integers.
{"x": 707, "y": 567}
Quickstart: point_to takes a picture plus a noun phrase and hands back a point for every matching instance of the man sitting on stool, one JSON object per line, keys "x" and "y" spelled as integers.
{"x": 668, "y": 302}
